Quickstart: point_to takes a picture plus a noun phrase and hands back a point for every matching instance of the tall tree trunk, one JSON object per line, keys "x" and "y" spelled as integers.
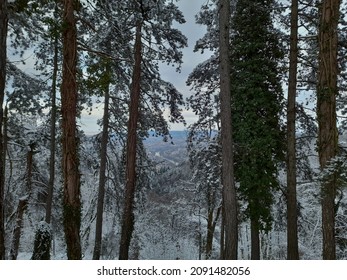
{"x": 128, "y": 212}
{"x": 3, "y": 47}
{"x": 326, "y": 113}
{"x": 102, "y": 178}
{"x": 72, "y": 203}
{"x": 229, "y": 191}
{"x": 255, "y": 242}
{"x": 292, "y": 219}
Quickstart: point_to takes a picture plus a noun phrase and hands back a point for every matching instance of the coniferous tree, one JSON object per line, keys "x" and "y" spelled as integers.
{"x": 102, "y": 176}
{"x": 70, "y": 163}
{"x": 150, "y": 36}
{"x": 114, "y": 26}
{"x": 108, "y": 66}
{"x": 105, "y": 87}
{"x": 229, "y": 190}
{"x": 130, "y": 173}
{"x": 292, "y": 215}
{"x": 257, "y": 104}
{"x": 327, "y": 91}
{"x": 301, "y": 124}
{"x": 206, "y": 82}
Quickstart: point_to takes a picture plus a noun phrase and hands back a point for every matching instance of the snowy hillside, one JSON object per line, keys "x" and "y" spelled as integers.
{"x": 171, "y": 220}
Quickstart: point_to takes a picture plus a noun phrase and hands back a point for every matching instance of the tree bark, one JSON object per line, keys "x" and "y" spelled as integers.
{"x": 102, "y": 178}
{"x": 229, "y": 191}
{"x": 70, "y": 164}
{"x": 255, "y": 242}
{"x": 128, "y": 212}
{"x": 3, "y": 55}
{"x": 292, "y": 219}
{"x": 326, "y": 113}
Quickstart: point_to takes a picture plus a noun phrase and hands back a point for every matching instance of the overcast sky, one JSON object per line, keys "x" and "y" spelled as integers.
{"x": 193, "y": 32}
{"x": 191, "y": 59}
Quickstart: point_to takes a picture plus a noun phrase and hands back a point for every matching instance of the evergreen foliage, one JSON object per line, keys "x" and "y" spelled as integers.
{"x": 257, "y": 105}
